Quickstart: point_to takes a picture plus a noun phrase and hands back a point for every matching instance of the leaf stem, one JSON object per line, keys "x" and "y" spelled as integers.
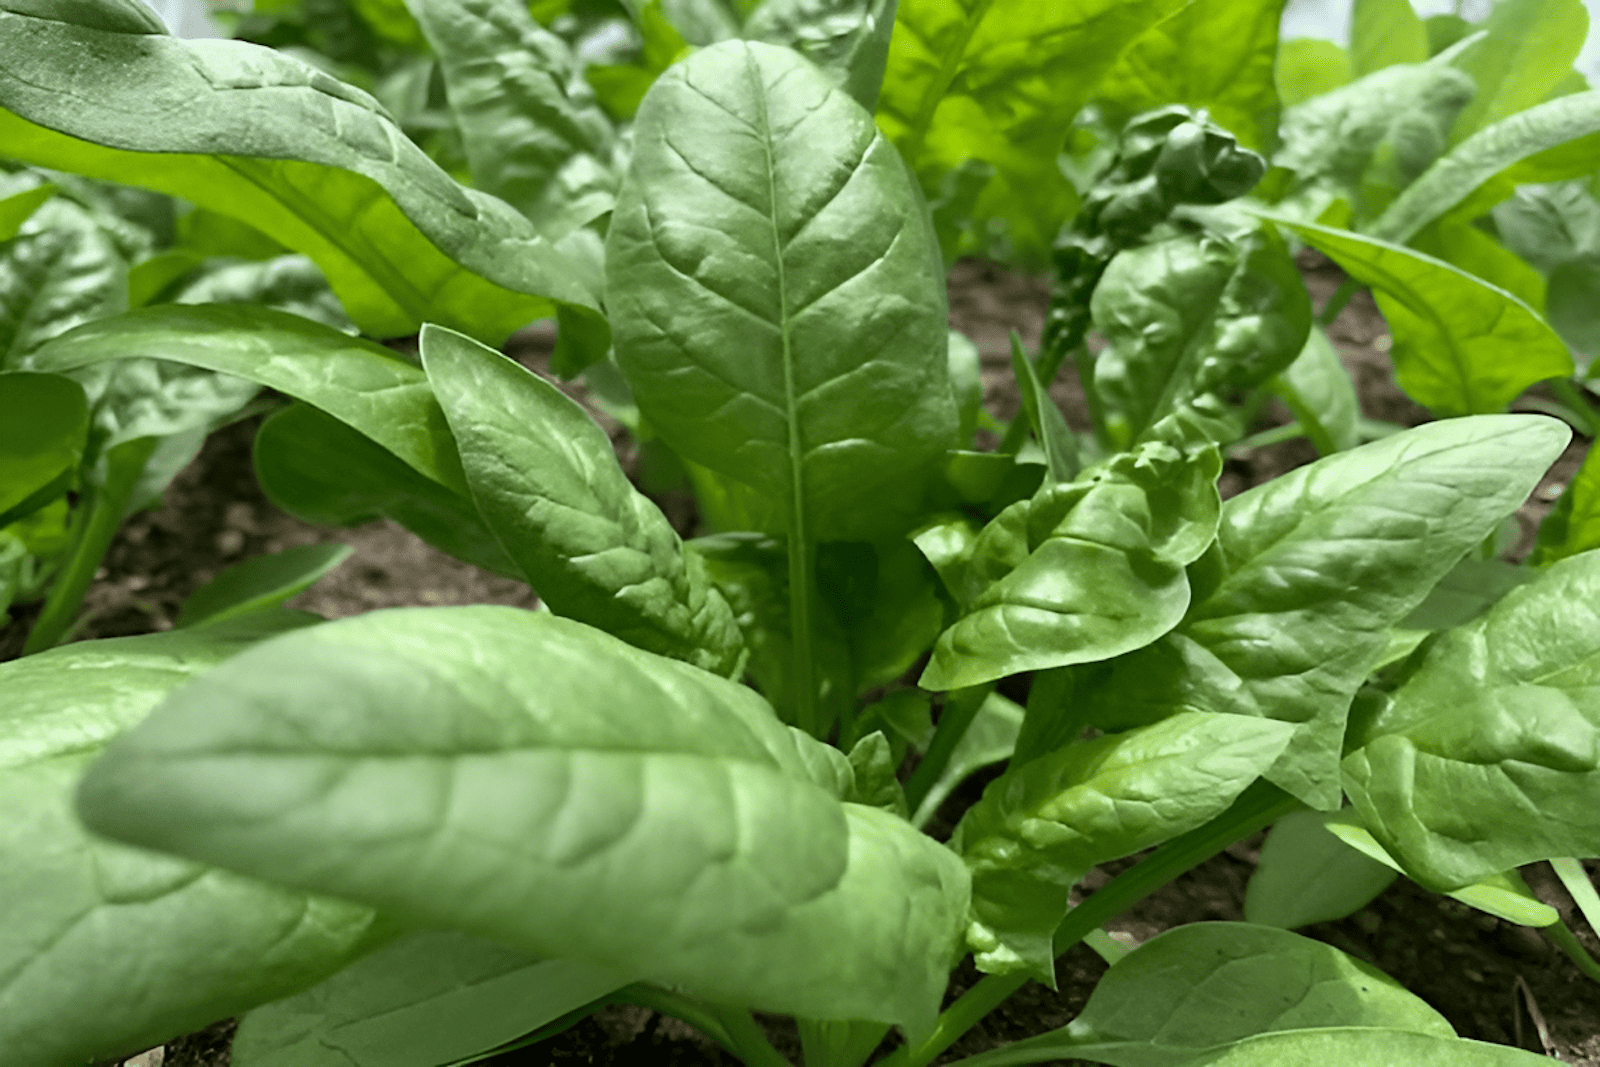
{"x": 960, "y": 708}
{"x": 1336, "y": 303}
{"x": 93, "y": 528}
{"x": 1292, "y": 398}
{"x": 1576, "y": 879}
{"x": 801, "y": 556}
{"x": 1045, "y": 369}
{"x": 701, "y": 1016}
{"x": 750, "y": 1043}
{"x": 1257, "y": 807}
{"x": 1568, "y": 942}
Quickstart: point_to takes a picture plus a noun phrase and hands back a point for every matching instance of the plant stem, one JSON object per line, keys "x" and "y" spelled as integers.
{"x": 1321, "y": 439}
{"x": 1572, "y": 397}
{"x": 94, "y": 526}
{"x": 1336, "y": 303}
{"x": 1046, "y": 369}
{"x": 750, "y": 1043}
{"x": 1576, "y": 879}
{"x": 960, "y": 708}
{"x": 805, "y": 672}
{"x": 701, "y": 1016}
{"x": 1257, "y": 807}
{"x": 1568, "y": 942}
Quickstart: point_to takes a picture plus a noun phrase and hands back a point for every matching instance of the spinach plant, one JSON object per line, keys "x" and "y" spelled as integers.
{"x": 424, "y": 835}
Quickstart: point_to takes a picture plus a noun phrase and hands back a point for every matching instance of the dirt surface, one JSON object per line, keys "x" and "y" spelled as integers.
{"x": 1493, "y": 981}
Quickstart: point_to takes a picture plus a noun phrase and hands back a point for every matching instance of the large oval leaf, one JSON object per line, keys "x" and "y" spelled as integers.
{"x": 313, "y": 163}
{"x": 106, "y": 949}
{"x": 529, "y": 779}
{"x": 774, "y": 287}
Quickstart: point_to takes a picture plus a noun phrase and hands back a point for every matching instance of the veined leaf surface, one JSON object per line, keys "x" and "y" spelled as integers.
{"x": 775, "y": 293}
{"x": 528, "y": 779}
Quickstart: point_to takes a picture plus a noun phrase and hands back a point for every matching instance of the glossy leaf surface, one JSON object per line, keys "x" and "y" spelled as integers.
{"x": 773, "y": 292}
{"x": 1461, "y": 345}
{"x": 89, "y": 921}
{"x": 1293, "y": 606}
{"x": 1041, "y": 826}
{"x": 316, "y": 165}
{"x": 532, "y": 132}
{"x": 546, "y": 480}
{"x": 1084, "y": 571}
{"x": 1485, "y": 759}
{"x": 449, "y": 765}
{"x": 429, "y": 998}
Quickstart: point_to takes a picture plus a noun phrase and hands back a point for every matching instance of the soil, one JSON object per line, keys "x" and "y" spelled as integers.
{"x": 1493, "y": 981}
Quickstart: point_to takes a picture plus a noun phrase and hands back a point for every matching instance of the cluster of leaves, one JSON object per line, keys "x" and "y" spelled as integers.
{"x": 426, "y": 835}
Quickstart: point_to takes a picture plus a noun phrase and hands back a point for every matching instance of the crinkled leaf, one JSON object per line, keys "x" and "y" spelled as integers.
{"x": 1193, "y": 317}
{"x": 368, "y": 387}
{"x": 1001, "y": 83}
{"x": 1478, "y": 160}
{"x": 848, "y": 38}
{"x": 1215, "y": 54}
{"x": 1041, "y": 826}
{"x": 1452, "y": 331}
{"x": 260, "y": 582}
{"x": 59, "y": 271}
{"x": 133, "y": 398}
{"x": 451, "y": 765}
{"x": 774, "y": 293}
{"x": 1196, "y": 992}
{"x": 1293, "y": 607}
{"x": 1307, "y": 875}
{"x": 1489, "y": 756}
{"x": 429, "y": 998}
{"x": 106, "y": 949}
{"x": 532, "y": 132}
{"x": 314, "y": 164}
{"x": 288, "y": 283}
{"x": 44, "y": 420}
{"x": 1322, "y": 383}
{"x": 321, "y": 471}
{"x": 1383, "y": 33}
{"x": 1084, "y": 571}
{"x": 1308, "y": 67}
{"x": 1529, "y": 47}
{"x": 547, "y": 482}
{"x": 872, "y": 760}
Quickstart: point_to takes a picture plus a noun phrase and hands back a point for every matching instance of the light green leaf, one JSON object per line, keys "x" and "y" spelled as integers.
{"x": 1163, "y": 1004}
{"x": 1373, "y": 1048}
{"x": 1293, "y": 607}
{"x": 1464, "y": 245}
{"x": 1308, "y": 67}
{"x": 848, "y": 38}
{"x": 1454, "y": 335}
{"x": 16, "y": 207}
{"x": 364, "y": 385}
{"x": 451, "y": 765}
{"x": 59, "y": 271}
{"x": 532, "y": 132}
{"x": 1528, "y": 49}
{"x": 1455, "y": 177}
{"x": 1307, "y": 875}
{"x": 1041, "y": 826}
{"x": 44, "y": 420}
{"x": 1322, "y": 383}
{"x": 1215, "y": 54}
{"x": 1573, "y": 525}
{"x": 1486, "y": 758}
{"x": 429, "y": 998}
{"x": 547, "y": 482}
{"x": 314, "y": 164}
{"x": 1383, "y": 33}
{"x": 260, "y": 582}
{"x": 88, "y": 921}
{"x": 1001, "y": 82}
{"x": 1189, "y": 318}
{"x": 774, "y": 295}
{"x": 321, "y": 471}
{"x": 1084, "y": 571}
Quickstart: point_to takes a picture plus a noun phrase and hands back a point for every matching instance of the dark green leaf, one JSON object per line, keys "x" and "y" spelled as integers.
{"x": 547, "y": 482}
{"x": 1293, "y": 607}
{"x": 1202, "y": 991}
{"x": 1573, "y": 525}
{"x": 1308, "y": 67}
{"x": 989, "y": 738}
{"x": 59, "y": 271}
{"x": 1452, "y": 332}
{"x": 1307, "y": 875}
{"x": 311, "y": 162}
{"x": 1472, "y": 587}
{"x": 1570, "y": 307}
{"x": 532, "y": 132}
{"x": 260, "y": 582}
{"x": 44, "y": 419}
{"x": 1050, "y": 427}
{"x": 1212, "y": 54}
{"x": 1041, "y": 826}
{"x": 429, "y": 998}
{"x": 1084, "y": 571}
{"x": 848, "y": 38}
{"x": 1528, "y": 49}
{"x": 1383, "y": 33}
{"x": 88, "y": 921}
{"x": 773, "y": 289}
{"x": 1193, "y": 317}
{"x": 318, "y": 469}
{"x": 451, "y": 765}
{"x": 1484, "y": 760}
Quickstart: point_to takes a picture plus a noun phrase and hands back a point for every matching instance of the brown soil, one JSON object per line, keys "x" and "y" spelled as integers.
{"x": 1493, "y": 981}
